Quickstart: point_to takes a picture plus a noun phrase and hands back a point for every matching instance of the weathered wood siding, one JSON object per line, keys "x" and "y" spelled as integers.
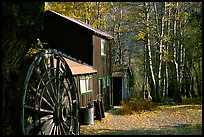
{"x": 104, "y": 70}
{"x": 84, "y": 99}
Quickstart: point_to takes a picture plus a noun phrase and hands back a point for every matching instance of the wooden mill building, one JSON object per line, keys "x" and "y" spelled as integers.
{"x": 90, "y": 48}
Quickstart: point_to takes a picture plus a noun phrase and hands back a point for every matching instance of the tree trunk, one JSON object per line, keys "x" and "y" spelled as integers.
{"x": 198, "y": 86}
{"x": 177, "y": 94}
{"x": 193, "y": 95}
{"x": 145, "y": 73}
{"x": 187, "y": 89}
{"x": 22, "y": 24}
{"x": 197, "y": 80}
{"x": 154, "y": 97}
{"x": 167, "y": 53}
{"x": 160, "y": 58}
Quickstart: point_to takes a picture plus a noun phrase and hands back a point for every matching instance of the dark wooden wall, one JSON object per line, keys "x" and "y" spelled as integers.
{"x": 68, "y": 37}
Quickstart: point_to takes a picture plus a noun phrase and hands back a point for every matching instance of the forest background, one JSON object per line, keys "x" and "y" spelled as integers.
{"x": 161, "y": 41}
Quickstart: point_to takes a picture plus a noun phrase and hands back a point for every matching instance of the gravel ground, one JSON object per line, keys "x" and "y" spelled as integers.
{"x": 164, "y": 120}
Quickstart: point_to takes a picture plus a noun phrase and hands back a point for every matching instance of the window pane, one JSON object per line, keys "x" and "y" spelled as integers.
{"x": 85, "y": 85}
{"x": 103, "y": 47}
{"x": 82, "y": 85}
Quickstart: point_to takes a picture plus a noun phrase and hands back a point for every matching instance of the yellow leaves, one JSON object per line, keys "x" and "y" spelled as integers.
{"x": 162, "y": 119}
{"x": 166, "y": 18}
{"x": 164, "y": 52}
{"x": 139, "y": 36}
{"x": 186, "y": 14}
{"x": 32, "y": 51}
{"x": 176, "y": 113}
{"x": 46, "y": 6}
{"x": 103, "y": 11}
{"x": 166, "y": 38}
{"x": 119, "y": 31}
{"x": 126, "y": 16}
{"x": 94, "y": 25}
{"x": 169, "y": 5}
{"x": 139, "y": 14}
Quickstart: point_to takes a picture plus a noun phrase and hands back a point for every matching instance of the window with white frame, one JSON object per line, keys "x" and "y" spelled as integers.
{"x": 103, "y": 47}
{"x": 85, "y": 85}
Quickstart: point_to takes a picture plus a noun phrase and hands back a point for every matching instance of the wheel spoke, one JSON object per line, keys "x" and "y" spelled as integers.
{"x": 33, "y": 89}
{"x": 45, "y": 100}
{"x": 50, "y": 98}
{"x": 45, "y": 118}
{"x": 47, "y": 127}
{"x": 64, "y": 100}
{"x": 57, "y": 128}
{"x": 45, "y": 84}
{"x": 54, "y": 130}
{"x": 63, "y": 129}
{"x": 47, "y": 91}
{"x": 60, "y": 130}
{"x": 66, "y": 128}
{"x": 47, "y": 73}
{"x": 65, "y": 91}
{"x": 50, "y": 73}
{"x": 37, "y": 109}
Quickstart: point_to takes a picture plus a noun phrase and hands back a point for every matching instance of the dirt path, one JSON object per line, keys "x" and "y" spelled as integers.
{"x": 165, "y": 120}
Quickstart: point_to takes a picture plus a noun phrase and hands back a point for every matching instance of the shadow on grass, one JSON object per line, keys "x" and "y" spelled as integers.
{"x": 181, "y": 129}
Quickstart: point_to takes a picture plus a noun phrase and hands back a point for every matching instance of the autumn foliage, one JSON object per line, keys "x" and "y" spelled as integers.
{"x": 135, "y": 105}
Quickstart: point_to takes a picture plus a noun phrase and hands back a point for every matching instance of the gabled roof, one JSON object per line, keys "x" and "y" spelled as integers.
{"x": 119, "y": 70}
{"x": 83, "y": 24}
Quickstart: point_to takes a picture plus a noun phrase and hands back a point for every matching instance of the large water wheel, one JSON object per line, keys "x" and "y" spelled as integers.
{"x": 50, "y": 102}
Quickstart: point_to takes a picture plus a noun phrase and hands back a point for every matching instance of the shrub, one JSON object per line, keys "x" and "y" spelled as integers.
{"x": 135, "y": 105}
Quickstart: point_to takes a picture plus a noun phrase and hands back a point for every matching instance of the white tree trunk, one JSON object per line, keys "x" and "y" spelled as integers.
{"x": 167, "y": 53}
{"x": 150, "y": 55}
{"x": 174, "y": 47}
{"x": 160, "y": 57}
{"x": 177, "y": 95}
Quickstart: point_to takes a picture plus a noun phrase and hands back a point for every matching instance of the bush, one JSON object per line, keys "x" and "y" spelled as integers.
{"x": 135, "y": 105}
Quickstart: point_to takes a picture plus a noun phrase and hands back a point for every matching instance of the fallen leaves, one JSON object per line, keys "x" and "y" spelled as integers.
{"x": 178, "y": 119}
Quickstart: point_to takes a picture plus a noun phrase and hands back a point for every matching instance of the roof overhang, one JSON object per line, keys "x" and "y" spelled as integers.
{"x": 79, "y": 69}
{"x": 119, "y": 70}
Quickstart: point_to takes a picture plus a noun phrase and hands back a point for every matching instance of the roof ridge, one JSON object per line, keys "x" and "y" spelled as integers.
{"x": 79, "y": 22}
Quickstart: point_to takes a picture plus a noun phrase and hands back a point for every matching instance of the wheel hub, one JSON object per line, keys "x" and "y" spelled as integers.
{"x": 59, "y": 113}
